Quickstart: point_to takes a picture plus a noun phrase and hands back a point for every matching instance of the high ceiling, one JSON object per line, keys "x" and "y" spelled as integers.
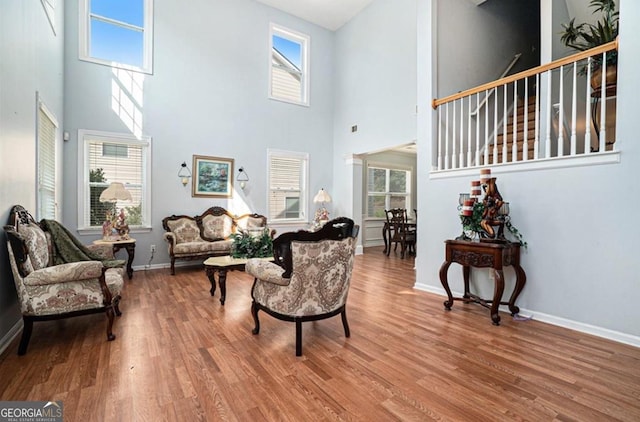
{"x": 330, "y": 14}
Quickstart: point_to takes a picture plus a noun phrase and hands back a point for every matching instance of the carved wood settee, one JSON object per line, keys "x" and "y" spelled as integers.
{"x": 206, "y": 235}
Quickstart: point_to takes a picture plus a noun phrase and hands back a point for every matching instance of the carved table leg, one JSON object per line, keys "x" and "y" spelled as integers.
{"x": 445, "y": 283}
{"x": 211, "y": 272}
{"x": 222, "y": 281}
{"x": 131, "y": 252}
{"x": 521, "y": 280}
{"x": 466, "y": 270}
{"x": 497, "y": 296}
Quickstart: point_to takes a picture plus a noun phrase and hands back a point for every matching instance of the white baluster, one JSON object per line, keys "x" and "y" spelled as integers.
{"x": 454, "y": 143}
{"x": 495, "y": 128}
{"x": 486, "y": 133}
{"x": 461, "y": 159}
{"x": 477, "y": 160}
{"x": 525, "y": 144}
{"x": 603, "y": 104}
{"x": 446, "y": 144}
{"x": 514, "y": 147}
{"x": 505, "y": 133}
{"x": 536, "y": 136}
{"x": 439, "y": 138}
{"x": 561, "y": 115}
{"x": 547, "y": 141}
{"x": 469, "y": 132}
{"x": 574, "y": 109}
{"x": 587, "y": 113}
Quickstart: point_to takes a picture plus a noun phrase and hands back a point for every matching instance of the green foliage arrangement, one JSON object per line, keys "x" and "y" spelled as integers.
{"x": 246, "y": 245}
{"x": 471, "y": 224}
{"x": 586, "y": 36}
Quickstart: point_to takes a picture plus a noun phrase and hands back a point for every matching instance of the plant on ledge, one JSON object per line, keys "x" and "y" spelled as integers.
{"x": 586, "y": 36}
{"x": 249, "y": 245}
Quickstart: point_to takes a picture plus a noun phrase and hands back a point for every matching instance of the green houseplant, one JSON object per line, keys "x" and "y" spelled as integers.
{"x": 247, "y": 245}
{"x": 585, "y": 36}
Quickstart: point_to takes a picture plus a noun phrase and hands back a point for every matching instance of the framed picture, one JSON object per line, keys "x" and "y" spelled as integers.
{"x": 212, "y": 177}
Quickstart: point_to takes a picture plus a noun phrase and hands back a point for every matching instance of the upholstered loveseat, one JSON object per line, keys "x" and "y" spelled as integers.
{"x": 206, "y": 235}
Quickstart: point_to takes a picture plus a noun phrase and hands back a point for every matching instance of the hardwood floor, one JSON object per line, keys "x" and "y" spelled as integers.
{"x": 180, "y": 356}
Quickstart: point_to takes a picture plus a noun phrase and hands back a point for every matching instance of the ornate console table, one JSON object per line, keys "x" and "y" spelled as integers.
{"x": 484, "y": 254}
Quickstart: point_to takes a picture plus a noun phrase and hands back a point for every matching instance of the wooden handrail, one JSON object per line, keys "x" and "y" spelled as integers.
{"x": 613, "y": 45}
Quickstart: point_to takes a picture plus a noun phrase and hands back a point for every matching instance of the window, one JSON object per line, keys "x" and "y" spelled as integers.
{"x": 47, "y": 126}
{"x": 289, "y": 66}
{"x": 112, "y": 157}
{"x": 387, "y": 188}
{"x": 288, "y": 175}
{"x": 117, "y": 33}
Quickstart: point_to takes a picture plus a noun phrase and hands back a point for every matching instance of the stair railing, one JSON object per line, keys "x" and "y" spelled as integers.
{"x": 510, "y": 66}
{"x": 461, "y": 145}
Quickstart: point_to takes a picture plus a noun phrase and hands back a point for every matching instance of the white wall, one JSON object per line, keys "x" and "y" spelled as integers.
{"x": 30, "y": 61}
{"x": 375, "y": 89}
{"x": 208, "y": 96}
{"x": 579, "y": 222}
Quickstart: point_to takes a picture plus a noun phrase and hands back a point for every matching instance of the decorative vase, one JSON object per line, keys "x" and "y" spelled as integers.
{"x": 611, "y": 79}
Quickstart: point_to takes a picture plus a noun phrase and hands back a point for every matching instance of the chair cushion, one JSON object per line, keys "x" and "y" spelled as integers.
{"x": 216, "y": 226}
{"x": 202, "y": 246}
{"x": 36, "y": 243}
{"x": 185, "y": 230}
{"x": 266, "y": 271}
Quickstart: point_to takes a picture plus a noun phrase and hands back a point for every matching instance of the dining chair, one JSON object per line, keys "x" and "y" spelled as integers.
{"x": 399, "y": 232}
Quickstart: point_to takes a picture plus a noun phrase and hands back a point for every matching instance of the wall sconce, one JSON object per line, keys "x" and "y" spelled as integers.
{"x": 184, "y": 173}
{"x": 242, "y": 177}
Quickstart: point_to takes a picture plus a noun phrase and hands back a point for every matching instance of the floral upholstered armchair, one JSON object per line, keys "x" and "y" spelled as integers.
{"x": 48, "y": 289}
{"x": 309, "y": 279}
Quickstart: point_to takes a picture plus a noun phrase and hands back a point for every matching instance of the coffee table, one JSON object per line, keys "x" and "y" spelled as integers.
{"x": 222, "y": 264}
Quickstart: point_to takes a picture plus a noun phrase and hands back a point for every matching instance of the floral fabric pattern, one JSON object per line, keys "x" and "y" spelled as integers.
{"x": 202, "y": 247}
{"x": 319, "y": 282}
{"x": 217, "y": 227}
{"x": 68, "y": 294}
{"x": 185, "y": 230}
{"x": 36, "y": 243}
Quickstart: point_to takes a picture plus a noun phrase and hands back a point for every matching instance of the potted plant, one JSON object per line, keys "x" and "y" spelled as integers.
{"x": 586, "y": 36}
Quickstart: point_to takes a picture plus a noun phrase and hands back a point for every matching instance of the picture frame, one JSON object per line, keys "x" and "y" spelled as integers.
{"x": 213, "y": 177}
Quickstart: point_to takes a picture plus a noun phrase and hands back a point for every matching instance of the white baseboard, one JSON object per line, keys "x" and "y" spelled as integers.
{"x": 359, "y": 250}
{"x": 11, "y": 335}
{"x": 554, "y": 320}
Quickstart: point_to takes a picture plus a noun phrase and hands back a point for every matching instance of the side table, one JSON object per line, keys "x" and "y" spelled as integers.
{"x": 222, "y": 264}
{"x": 484, "y": 254}
{"x": 129, "y": 245}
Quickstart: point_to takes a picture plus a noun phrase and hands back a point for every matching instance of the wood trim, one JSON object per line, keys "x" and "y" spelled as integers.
{"x": 613, "y": 45}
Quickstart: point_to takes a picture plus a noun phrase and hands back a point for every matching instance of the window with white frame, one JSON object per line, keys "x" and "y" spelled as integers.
{"x": 287, "y": 174}
{"x": 387, "y": 188}
{"x": 117, "y": 33}
{"x": 289, "y": 65}
{"x": 47, "y": 127}
{"x": 106, "y": 158}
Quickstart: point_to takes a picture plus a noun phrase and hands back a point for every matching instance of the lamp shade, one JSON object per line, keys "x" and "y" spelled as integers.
{"x": 115, "y": 192}
{"x": 322, "y": 196}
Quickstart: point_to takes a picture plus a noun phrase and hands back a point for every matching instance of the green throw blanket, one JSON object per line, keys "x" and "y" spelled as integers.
{"x": 66, "y": 248}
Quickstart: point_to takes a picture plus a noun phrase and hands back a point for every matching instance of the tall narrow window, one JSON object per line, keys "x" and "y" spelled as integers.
{"x": 387, "y": 188}
{"x": 111, "y": 157}
{"x": 289, "y": 70}
{"x": 47, "y": 126}
{"x": 117, "y": 33}
{"x": 288, "y": 175}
